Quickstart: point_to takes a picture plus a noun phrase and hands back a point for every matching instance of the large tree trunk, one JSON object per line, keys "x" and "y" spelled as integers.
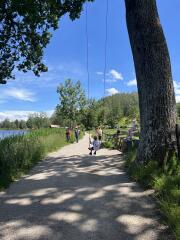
{"x": 154, "y": 81}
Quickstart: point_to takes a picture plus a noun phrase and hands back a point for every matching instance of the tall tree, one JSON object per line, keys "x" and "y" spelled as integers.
{"x": 154, "y": 81}
{"x": 72, "y": 100}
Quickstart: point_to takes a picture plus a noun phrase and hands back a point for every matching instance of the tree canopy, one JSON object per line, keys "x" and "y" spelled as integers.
{"x": 25, "y": 30}
{"x": 72, "y": 100}
{"x": 74, "y": 108}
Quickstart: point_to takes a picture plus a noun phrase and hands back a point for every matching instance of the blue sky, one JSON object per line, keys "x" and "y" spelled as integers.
{"x": 66, "y": 58}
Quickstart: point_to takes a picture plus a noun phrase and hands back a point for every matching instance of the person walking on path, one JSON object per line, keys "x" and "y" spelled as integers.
{"x": 68, "y": 134}
{"x": 76, "y": 133}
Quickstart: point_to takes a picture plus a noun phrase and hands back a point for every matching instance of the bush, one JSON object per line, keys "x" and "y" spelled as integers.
{"x": 107, "y": 144}
{"x": 124, "y": 121}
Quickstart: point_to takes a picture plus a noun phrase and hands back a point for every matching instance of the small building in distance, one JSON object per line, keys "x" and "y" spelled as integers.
{"x": 54, "y": 126}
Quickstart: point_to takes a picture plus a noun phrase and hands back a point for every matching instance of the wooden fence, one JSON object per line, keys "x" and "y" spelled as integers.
{"x": 112, "y": 138}
{"x": 119, "y": 140}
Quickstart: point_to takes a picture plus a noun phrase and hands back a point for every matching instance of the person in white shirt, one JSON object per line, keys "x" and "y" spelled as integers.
{"x": 95, "y": 145}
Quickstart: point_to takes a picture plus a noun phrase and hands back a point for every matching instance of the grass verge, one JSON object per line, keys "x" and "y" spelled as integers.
{"x": 18, "y": 154}
{"x": 166, "y": 184}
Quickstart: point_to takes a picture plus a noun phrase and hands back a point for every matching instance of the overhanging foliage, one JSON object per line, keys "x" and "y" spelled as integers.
{"x": 25, "y": 30}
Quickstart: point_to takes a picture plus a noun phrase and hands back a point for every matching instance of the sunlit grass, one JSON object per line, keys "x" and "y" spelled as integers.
{"x": 19, "y": 153}
{"x": 166, "y": 183}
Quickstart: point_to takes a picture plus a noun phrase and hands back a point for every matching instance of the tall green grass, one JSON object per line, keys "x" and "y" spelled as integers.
{"x": 19, "y": 153}
{"x": 165, "y": 182}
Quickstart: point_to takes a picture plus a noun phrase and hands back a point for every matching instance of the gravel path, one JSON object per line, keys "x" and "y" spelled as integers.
{"x": 74, "y": 196}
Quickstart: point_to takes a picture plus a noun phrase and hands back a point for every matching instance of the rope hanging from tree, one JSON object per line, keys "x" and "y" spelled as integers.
{"x": 87, "y": 52}
{"x": 105, "y": 46}
{"x": 105, "y": 55}
{"x": 87, "y": 64}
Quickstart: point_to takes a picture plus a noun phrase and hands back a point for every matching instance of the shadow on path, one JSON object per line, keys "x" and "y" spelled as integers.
{"x": 78, "y": 198}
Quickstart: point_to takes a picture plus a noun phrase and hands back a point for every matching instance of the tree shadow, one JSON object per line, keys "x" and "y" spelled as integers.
{"x": 79, "y": 198}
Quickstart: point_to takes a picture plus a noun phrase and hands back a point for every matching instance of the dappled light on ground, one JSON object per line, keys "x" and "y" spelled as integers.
{"x": 78, "y": 197}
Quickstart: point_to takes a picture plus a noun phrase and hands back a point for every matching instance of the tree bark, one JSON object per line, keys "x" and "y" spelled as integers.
{"x": 154, "y": 81}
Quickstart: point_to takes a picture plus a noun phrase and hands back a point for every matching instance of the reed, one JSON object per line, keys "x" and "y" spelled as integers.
{"x": 18, "y": 154}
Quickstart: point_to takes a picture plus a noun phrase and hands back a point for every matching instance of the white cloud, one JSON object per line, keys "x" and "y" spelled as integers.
{"x": 115, "y": 74}
{"x": 111, "y": 91}
{"x": 132, "y": 82}
{"x": 57, "y": 73}
{"x": 99, "y": 73}
{"x": 176, "y": 87}
{"x": 20, "y": 94}
{"x": 110, "y": 80}
{"x": 177, "y": 98}
{"x": 177, "y": 90}
{"x": 176, "y": 84}
{"x": 20, "y": 115}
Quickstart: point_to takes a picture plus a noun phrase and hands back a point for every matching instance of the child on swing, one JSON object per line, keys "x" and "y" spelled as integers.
{"x": 94, "y": 145}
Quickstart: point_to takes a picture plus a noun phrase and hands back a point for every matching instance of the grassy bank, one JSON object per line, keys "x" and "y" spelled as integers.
{"x": 165, "y": 182}
{"x": 19, "y": 153}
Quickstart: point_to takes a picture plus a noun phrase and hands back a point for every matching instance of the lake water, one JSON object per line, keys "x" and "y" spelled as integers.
{"x": 8, "y": 133}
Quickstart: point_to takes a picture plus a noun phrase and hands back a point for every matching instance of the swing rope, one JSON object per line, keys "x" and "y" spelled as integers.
{"x": 87, "y": 53}
{"x": 87, "y": 62}
{"x": 105, "y": 47}
{"x": 105, "y": 56}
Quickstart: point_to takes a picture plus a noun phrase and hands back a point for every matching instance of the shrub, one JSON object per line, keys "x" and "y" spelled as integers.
{"x": 107, "y": 144}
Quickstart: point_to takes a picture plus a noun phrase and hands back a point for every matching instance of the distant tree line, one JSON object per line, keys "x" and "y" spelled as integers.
{"x": 34, "y": 121}
{"x": 17, "y": 124}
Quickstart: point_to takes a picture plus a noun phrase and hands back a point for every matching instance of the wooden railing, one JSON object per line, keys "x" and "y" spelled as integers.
{"x": 109, "y": 137}
{"x": 112, "y": 138}
{"x": 119, "y": 140}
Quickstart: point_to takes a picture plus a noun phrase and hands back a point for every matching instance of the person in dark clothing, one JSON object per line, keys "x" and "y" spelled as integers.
{"x": 76, "y": 133}
{"x": 68, "y": 134}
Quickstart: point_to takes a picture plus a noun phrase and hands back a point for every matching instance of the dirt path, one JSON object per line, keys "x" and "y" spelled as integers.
{"x": 74, "y": 196}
